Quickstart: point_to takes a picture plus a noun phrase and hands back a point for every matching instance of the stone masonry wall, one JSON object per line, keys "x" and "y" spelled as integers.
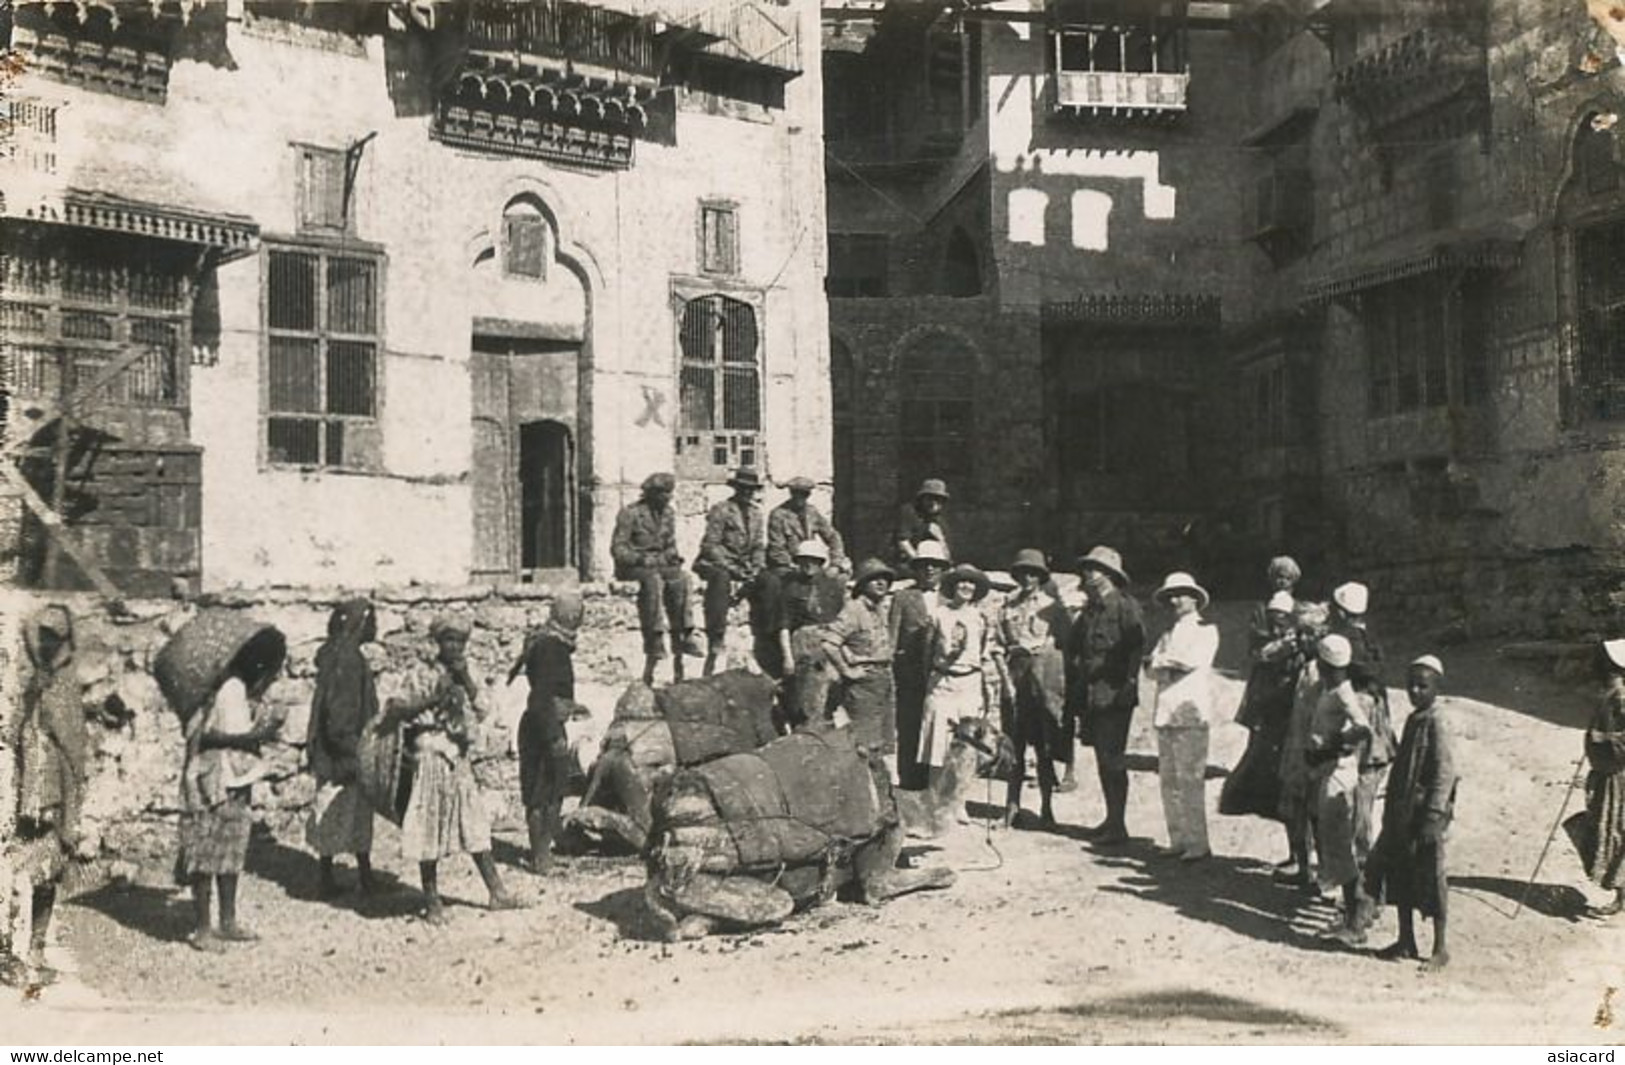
{"x": 132, "y": 809}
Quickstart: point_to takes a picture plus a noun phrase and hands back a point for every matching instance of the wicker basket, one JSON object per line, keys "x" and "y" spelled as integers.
{"x": 196, "y": 661}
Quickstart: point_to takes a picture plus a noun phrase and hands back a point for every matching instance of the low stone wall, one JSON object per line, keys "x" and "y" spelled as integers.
{"x": 132, "y": 805}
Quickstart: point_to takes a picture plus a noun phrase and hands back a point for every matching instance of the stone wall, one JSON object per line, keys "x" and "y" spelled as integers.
{"x": 132, "y": 809}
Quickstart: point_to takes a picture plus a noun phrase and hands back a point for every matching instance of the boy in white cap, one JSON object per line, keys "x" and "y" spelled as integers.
{"x": 1350, "y": 602}
{"x": 810, "y": 597}
{"x": 1407, "y": 866}
{"x": 1338, "y": 729}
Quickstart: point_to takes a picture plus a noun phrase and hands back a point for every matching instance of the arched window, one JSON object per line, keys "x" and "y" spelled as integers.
{"x": 526, "y": 239}
{"x": 961, "y": 267}
{"x": 1594, "y": 200}
{"x": 719, "y": 383}
{"x": 937, "y": 413}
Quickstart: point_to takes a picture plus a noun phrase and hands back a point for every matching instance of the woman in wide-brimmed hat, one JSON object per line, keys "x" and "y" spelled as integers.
{"x": 959, "y": 652}
{"x": 858, "y": 643}
{"x": 1181, "y": 668}
{"x": 1030, "y": 633}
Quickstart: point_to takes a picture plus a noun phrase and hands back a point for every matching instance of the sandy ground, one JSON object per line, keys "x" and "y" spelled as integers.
{"x": 1043, "y": 939}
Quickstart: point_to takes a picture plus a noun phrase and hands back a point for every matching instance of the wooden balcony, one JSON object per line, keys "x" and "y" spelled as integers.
{"x": 1125, "y": 94}
{"x": 610, "y": 43}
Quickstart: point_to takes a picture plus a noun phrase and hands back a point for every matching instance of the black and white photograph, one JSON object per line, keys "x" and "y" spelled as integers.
{"x": 812, "y": 522}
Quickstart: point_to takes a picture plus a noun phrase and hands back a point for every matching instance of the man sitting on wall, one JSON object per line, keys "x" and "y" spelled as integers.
{"x": 644, "y": 549}
{"x": 731, "y": 556}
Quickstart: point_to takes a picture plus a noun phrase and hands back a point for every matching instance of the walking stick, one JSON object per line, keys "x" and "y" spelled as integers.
{"x": 1574, "y": 778}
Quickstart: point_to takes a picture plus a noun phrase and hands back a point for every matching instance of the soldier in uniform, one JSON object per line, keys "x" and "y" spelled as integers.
{"x": 644, "y": 548}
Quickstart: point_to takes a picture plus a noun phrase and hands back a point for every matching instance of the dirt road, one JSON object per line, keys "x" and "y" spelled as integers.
{"x": 1043, "y": 939}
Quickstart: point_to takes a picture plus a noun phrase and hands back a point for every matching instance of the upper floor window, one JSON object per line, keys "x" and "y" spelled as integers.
{"x": 324, "y": 190}
{"x": 719, "y": 238}
{"x": 526, "y": 241}
{"x": 1427, "y": 343}
{"x": 28, "y": 135}
{"x": 323, "y": 336}
{"x": 1112, "y": 57}
{"x": 719, "y": 385}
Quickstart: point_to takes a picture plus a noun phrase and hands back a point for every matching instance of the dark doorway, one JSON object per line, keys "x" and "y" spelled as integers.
{"x": 544, "y": 495}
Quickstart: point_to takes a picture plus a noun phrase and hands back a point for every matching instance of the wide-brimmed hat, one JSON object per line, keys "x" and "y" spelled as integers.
{"x": 1180, "y": 583}
{"x": 812, "y": 549}
{"x": 1107, "y": 561}
{"x": 1032, "y": 559}
{"x": 1281, "y": 603}
{"x": 868, "y": 570}
{"x": 966, "y": 572}
{"x": 931, "y": 551}
{"x": 801, "y": 484}
{"x": 660, "y": 482}
{"x": 1429, "y": 662}
{"x": 746, "y": 477}
{"x": 1335, "y": 651}
{"x": 1615, "y": 651}
{"x": 932, "y": 486}
{"x": 1353, "y": 597}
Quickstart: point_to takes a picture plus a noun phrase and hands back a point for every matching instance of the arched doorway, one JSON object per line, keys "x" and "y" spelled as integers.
{"x": 527, "y": 382}
{"x": 843, "y": 396}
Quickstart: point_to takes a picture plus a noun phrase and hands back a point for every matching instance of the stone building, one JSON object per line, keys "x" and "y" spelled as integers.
{"x": 1034, "y": 254}
{"x": 1443, "y": 258}
{"x": 366, "y": 293}
{"x": 1337, "y": 277}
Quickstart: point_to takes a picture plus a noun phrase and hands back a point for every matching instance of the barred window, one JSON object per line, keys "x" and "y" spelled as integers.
{"x": 1426, "y": 345}
{"x": 1600, "y": 261}
{"x": 321, "y": 314}
{"x": 719, "y": 384}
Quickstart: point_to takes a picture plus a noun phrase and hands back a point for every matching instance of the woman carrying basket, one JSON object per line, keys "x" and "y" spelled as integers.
{"x": 222, "y": 763}
{"x": 341, "y": 710}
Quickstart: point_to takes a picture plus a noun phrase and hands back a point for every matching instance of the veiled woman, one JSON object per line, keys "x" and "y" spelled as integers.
{"x": 344, "y": 705}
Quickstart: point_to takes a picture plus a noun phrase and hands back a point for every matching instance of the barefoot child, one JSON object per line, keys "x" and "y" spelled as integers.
{"x": 1407, "y": 864}
{"x": 544, "y": 747}
{"x": 1337, "y": 729}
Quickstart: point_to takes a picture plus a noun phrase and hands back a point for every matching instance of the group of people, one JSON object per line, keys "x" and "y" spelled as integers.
{"x": 903, "y": 660}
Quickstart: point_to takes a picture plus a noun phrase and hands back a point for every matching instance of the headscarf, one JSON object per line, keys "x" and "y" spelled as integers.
{"x": 346, "y": 697}
{"x": 563, "y": 625}
{"x": 55, "y": 738}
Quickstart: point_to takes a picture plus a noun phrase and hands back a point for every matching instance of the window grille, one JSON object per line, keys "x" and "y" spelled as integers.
{"x": 72, "y": 307}
{"x": 719, "y": 385}
{"x": 321, "y": 354}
